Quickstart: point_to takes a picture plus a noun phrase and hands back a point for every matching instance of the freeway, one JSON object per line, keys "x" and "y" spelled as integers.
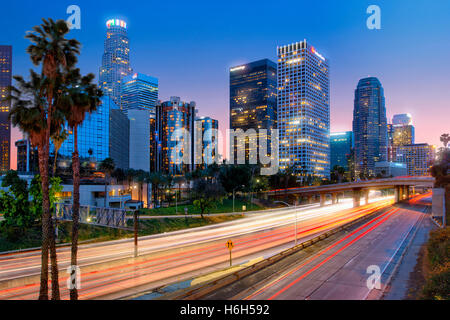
{"x": 109, "y": 271}
{"x": 346, "y": 267}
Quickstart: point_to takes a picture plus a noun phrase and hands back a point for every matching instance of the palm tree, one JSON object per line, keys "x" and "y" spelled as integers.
{"x": 56, "y": 53}
{"x": 80, "y": 97}
{"x": 29, "y": 113}
{"x": 107, "y": 166}
{"x": 445, "y": 139}
{"x": 58, "y": 138}
{"x": 157, "y": 180}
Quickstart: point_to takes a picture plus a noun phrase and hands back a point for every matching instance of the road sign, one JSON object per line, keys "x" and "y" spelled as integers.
{"x": 230, "y": 247}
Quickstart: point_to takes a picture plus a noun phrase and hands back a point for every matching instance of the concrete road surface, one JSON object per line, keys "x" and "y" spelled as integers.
{"x": 354, "y": 266}
{"x": 108, "y": 270}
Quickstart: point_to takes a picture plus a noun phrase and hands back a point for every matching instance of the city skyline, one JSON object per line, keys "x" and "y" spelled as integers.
{"x": 384, "y": 48}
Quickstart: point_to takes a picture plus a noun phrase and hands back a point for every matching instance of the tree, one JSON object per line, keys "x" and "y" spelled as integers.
{"x": 58, "y": 138}
{"x": 445, "y": 139}
{"x": 157, "y": 181}
{"x": 207, "y": 194}
{"x": 80, "y": 96}
{"x": 14, "y": 203}
{"x": 55, "y": 53}
{"x": 107, "y": 166}
{"x": 337, "y": 174}
{"x": 232, "y": 177}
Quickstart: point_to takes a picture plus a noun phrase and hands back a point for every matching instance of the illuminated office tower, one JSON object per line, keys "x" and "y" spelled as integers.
{"x": 173, "y": 137}
{"x": 418, "y": 158}
{"x": 139, "y": 139}
{"x": 304, "y": 110}
{"x": 115, "y": 60}
{"x": 253, "y": 102}
{"x": 139, "y": 91}
{"x": 341, "y": 145}
{"x": 206, "y": 142}
{"x": 5, "y": 124}
{"x": 403, "y": 130}
{"x": 369, "y": 126}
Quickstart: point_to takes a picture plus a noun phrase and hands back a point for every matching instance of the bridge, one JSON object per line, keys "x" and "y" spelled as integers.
{"x": 401, "y": 185}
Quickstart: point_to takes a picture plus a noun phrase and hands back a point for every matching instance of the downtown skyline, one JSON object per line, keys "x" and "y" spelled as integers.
{"x": 354, "y": 52}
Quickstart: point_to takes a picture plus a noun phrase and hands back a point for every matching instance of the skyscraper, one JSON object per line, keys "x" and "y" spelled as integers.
{"x": 369, "y": 126}
{"x": 139, "y": 139}
{"x": 173, "y": 137}
{"x": 115, "y": 60}
{"x": 5, "y": 125}
{"x": 404, "y": 119}
{"x": 418, "y": 158}
{"x": 100, "y": 134}
{"x": 139, "y": 91}
{"x": 304, "y": 109}
{"x": 253, "y": 101}
{"x": 341, "y": 145}
{"x": 206, "y": 141}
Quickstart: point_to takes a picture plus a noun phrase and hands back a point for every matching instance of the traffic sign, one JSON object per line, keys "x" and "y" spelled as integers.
{"x": 230, "y": 245}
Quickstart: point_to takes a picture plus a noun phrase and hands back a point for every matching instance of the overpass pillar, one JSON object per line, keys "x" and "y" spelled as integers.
{"x": 356, "y": 198}
{"x": 407, "y": 192}
{"x": 310, "y": 199}
{"x": 397, "y": 194}
{"x": 334, "y": 198}
{"x": 401, "y": 193}
{"x": 323, "y": 198}
{"x": 366, "y": 196}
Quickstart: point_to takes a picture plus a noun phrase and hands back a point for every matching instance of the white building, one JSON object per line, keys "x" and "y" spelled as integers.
{"x": 139, "y": 139}
{"x": 304, "y": 109}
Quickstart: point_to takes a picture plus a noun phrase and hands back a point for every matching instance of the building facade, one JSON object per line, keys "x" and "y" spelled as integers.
{"x": 341, "y": 145}
{"x": 119, "y": 138}
{"x": 369, "y": 126}
{"x": 139, "y": 139}
{"x": 5, "y": 125}
{"x": 253, "y": 103}
{"x": 418, "y": 158}
{"x": 303, "y": 110}
{"x": 27, "y": 157}
{"x": 387, "y": 169}
{"x": 173, "y": 137}
{"x": 115, "y": 60}
{"x": 139, "y": 91}
{"x": 206, "y": 142}
{"x": 100, "y": 134}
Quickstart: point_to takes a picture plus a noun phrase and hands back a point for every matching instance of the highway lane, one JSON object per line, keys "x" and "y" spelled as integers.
{"x": 339, "y": 271}
{"x": 201, "y": 250}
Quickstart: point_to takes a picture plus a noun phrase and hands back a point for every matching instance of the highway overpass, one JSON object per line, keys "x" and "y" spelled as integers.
{"x": 401, "y": 185}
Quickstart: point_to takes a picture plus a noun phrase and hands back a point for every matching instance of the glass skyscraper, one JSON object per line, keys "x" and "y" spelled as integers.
{"x": 115, "y": 60}
{"x": 171, "y": 116}
{"x": 253, "y": 100}
{"x": 103, "y": 134}
{"x": 5, "y": 125}
{"x": 369, "y": 126}
{"x": 139, "y": 91}
{"x": 206, "y": 141}
{"x": 304, "y": 110}
{"x": 418, "y": 158}
{"x": 341, "y": 145}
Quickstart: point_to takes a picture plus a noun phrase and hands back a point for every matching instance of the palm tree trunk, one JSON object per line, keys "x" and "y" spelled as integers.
{"x": 43, "y": 290}
{"x": 106, "y": 189}
{"x": 46, "y": 203}
{"x": 75, "y": 209}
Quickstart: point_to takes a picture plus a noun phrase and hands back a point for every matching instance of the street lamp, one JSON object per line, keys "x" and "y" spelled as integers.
{"x": 233, "y": 194}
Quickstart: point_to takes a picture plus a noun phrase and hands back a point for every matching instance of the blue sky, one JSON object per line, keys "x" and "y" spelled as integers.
{"x": 189, "y": 46}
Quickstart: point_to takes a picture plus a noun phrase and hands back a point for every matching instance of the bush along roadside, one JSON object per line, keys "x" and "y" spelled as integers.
{"x": 437, "y": 284}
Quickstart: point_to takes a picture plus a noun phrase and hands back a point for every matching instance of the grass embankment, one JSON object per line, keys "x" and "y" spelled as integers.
{"x": 437, "y": 266}
{"x": 225, "y": 207}
{"x": 91, "y": 233}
